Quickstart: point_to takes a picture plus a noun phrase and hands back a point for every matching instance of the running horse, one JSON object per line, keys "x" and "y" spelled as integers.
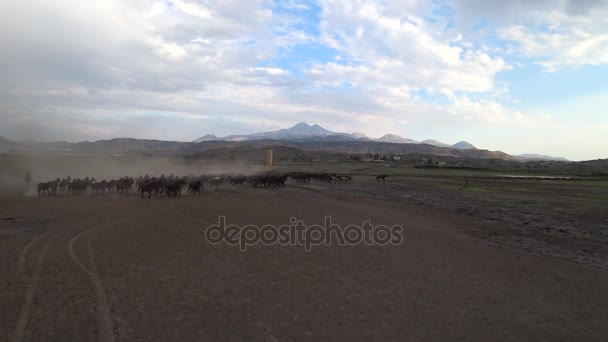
{"x": 42, "y": 187}
{"x": 381, "y": 177}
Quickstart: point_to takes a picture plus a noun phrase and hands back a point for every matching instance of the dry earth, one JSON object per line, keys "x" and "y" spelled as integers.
{"x": 120, "y": 268}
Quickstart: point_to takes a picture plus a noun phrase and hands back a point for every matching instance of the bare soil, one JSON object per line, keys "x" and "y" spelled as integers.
{"x": 561, "y": 219}
{"x": 121, "y": 268}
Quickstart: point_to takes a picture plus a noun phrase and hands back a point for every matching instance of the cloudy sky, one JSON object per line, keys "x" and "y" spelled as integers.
{"x": 518, "y": 76}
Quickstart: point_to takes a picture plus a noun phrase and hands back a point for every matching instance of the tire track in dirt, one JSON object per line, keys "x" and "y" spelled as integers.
{"x": 23, "y": 257}
{"x": 31, "y": 281}
{"x": 105, "y": 326}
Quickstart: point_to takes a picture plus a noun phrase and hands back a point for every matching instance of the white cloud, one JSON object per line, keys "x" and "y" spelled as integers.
{"x": 391, "y": 49}
{"x": 179, "y": 69}
{"x": 294, "y": 4}
{"x": 556, "y": 34}
{"x": 72, "y": 56}
{"x": 200, "y": 59}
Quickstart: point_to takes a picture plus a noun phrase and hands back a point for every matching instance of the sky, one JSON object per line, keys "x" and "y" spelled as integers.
{"x": 516, "y": 76}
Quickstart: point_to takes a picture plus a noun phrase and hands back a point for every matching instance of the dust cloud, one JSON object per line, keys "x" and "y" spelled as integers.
{"x": 47, "y": 167}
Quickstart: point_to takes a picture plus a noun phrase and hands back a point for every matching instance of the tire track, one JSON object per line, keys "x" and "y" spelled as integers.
{"x": 105, "y": 326}
{"x": 31, "y": 281}
{"x": 23, "y": 257}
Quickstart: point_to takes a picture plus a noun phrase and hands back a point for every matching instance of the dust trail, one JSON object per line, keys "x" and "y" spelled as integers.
{"x": 49, "y": 166}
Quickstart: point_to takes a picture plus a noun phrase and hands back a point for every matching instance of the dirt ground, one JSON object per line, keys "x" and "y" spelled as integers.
{"x": 121, "y": 268}
{"x": 561, "y": 219}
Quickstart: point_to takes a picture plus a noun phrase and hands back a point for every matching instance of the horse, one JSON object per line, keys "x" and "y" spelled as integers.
{"x": 237, "y": 180}
{"x": 124, "y": 184}
{"x": 42, "y": 187}
{"x": 77, "y": 187}
{"x": 63, "y": 185}
{"x": 174, "y": 189}
{"x": 148, "y": 186}
{"x": 216, "y": 181}
{"x": 54, "y": 186}
{"x": 381, "y": 177}
{"x": 194, "y": 187}
{"x": 99, "y": 187}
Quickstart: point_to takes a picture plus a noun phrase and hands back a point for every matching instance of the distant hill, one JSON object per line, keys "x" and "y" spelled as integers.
{"x": 5, "y": 144}
{"x": 435, "y": 143}
{"x": 332, "y": 137}
{"x": 207, "y": 137}
{"x": 304, "y": 131}
{"x": 130, "y": 146}
{"x": 394, "y": 138}
{"x": 540, "y": 157}
{"x": 257, "y": 153}
{"x": 300, "y": 130}
{"x": 463, "y": 145}
{"x": 601, "y": 164}
{"x": 362, "y": 136}
{"x": 338, "y": 147}
{"x": 350, "y": 147}
{"x": 302, "y": 137}
{"x": 329, "y": 145}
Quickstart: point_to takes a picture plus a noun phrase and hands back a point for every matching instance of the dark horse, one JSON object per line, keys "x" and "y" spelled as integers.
{"x": 174, "y": 189}
{"x": 42, "y": 187}
{"x": 148, "y": 186}
{"x": 195, "y": 187}
{"x": 381, "y": 177}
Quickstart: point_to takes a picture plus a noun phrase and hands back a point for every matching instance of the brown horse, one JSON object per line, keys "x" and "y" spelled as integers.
{"x": 148, "y": 186}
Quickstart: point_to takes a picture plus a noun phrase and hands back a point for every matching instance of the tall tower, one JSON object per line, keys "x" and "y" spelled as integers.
{"x": 268, "y": 164}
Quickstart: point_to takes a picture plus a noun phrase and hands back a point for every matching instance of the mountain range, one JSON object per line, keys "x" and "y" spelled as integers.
{"x": 303, "y": 141}
{"x": 301, "y": 130}
{"x": 330, "y": 147}
{"x": 304, "y": 131}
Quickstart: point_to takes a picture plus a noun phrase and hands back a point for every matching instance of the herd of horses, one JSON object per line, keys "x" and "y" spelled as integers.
{"x": 173, "y": 186}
